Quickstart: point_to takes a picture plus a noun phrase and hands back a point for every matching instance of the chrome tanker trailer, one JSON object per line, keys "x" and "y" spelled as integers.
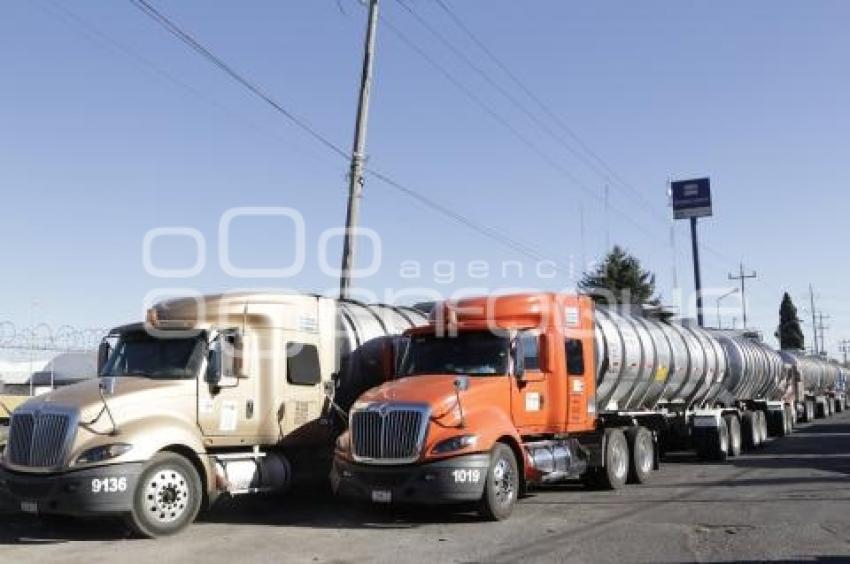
{"x": 553, "y": 387}
{"x": 711, "y": 390}
{"x": 820, "y": 385}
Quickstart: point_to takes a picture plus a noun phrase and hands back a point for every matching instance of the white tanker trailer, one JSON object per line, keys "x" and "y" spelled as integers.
{"x": 711, "y": 390}
{"x": 820, "y": 385}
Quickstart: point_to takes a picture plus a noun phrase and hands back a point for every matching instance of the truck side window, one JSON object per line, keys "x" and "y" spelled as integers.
{"x": 530, "y": 351}
{"x": 302, "y": 364}
{"x": 575, "y": 357}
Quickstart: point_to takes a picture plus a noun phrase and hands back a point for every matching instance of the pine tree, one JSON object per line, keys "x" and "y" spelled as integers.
{"x": 790, "y": 334}
{"x": 620, "y": 280}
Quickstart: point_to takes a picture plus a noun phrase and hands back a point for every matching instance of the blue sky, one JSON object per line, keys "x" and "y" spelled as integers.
{"x": 109, "y": 127}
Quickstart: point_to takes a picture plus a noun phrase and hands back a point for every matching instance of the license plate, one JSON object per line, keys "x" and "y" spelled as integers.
{"x": 29, "y": 507}
{"x": 382, "y": 496}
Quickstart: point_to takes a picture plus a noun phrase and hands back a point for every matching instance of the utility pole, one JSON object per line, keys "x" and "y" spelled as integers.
{"x": 822, "y": 332}
{"x": 697, "y": 277}
{"x": 743, "y": 277}
{"x": 814, "y": 321}
{"x": 358, "y": 154}
{"x": 607, "y": 222}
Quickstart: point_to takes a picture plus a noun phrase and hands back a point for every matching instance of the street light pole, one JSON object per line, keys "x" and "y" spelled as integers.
{"x": 726, "y": 295}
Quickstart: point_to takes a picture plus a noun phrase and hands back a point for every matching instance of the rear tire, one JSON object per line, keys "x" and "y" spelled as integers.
{"x": 642, "y": 459}
{"x": 749, "y": 431}
{"x": 789, "y": 418}
{"x": 167, "y": 497}
{"x": 616, "y": 470}
{"x": 502, "y": 486}
{"x": 762, "y": 426}
{"x": 809, "y": 411}
{"x": 734, "y": 427}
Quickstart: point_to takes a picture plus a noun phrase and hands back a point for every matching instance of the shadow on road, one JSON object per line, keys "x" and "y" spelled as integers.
{"x": 314, "y": 508}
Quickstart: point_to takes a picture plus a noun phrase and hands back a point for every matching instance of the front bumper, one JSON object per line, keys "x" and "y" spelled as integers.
{"x": 102, "y": 490}
{"x": 453, "y": 480}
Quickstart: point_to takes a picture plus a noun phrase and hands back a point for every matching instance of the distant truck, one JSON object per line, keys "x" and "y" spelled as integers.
{"x": 498, "y": 393}
{"x": 220, "y": 394}
{"x": 821, "y": 385}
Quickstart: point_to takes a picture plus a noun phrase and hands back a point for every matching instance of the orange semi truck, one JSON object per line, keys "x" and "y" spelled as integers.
{"x": 496, "y": 394}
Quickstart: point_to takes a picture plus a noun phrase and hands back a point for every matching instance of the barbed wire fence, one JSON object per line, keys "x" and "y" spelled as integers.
{"x": 21, "y": 343}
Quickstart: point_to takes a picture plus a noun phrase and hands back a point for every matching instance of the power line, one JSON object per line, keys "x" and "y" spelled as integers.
{"x": 499, "y": 118}
{"x": 541, "y": 124}
{"x": 157, "y": 16}
{"x": 556, "y": 119}
{"x": 541, "y": 104}
{"x": 207, "y": 54}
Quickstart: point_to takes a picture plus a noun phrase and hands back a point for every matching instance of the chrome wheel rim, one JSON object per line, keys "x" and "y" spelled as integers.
{"x": 646, "y": 451}
{"x": 503, "y": 481}
{"x": 619, "y": 462}
{"x": 166, "y": 495}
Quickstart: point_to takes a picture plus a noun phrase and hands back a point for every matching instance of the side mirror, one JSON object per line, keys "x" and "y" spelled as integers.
{"x": 103, "y": 352}
{"x": 225, "y": 358}
{"x": 518, "y": 355}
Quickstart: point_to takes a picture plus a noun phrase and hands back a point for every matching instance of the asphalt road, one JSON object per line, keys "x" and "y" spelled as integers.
{"x": 786, "y": 503}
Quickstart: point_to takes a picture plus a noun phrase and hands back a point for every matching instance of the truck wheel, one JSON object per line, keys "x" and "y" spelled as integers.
{"x": 809, "y": 411}
{"x": 762, "y": 424}
{"x": 616, "y": 471}
{"x": 789, "y": 419}
{"x": 749, "y": 431}
{"x": 502, "y": 485}
{"x": 734, "y": 427}
{"x": 167, "y": 497}
{"x": 642, "y": 447}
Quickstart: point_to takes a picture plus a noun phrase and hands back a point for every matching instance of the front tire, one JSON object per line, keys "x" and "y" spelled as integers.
{"x": 167, "y": 497}
{"x": 502, "y": 486}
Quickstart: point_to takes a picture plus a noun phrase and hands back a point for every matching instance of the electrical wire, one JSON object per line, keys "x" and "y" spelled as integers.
{"x": 186, "y": 38}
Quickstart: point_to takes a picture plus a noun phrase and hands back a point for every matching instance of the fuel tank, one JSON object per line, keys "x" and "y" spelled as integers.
{"x": 643, "y": 362}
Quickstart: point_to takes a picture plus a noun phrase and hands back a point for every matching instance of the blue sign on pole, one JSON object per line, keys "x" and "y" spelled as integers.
{"x": 691, "y": 198}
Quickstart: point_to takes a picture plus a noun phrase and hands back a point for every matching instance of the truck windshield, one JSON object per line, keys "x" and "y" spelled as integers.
{"x": 140, "y": 354}
{"x": 474, "y": 353}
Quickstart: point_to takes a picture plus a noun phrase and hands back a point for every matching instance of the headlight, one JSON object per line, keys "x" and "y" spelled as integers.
{"x": 455, "y": 443}
{"x": 101, "y": 453}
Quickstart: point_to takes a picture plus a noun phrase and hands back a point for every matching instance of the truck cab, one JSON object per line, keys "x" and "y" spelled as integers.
{"x": 213, "y": 395}
{"x": 482, "y": 395}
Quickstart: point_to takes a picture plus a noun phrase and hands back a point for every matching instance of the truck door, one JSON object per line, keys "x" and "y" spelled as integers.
{"x": 530, "y": 401}
{"x": 227, "y": 410}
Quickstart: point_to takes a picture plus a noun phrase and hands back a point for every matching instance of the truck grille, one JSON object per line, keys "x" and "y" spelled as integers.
{"x": 38, "y": 440}
{"x": 388, "y": 434}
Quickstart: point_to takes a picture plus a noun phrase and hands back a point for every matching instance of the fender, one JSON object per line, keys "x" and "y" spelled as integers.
{"x": 490, "y": 423}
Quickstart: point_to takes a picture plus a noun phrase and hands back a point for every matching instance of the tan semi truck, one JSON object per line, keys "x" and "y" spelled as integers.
{"x": 212, "y": 395}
